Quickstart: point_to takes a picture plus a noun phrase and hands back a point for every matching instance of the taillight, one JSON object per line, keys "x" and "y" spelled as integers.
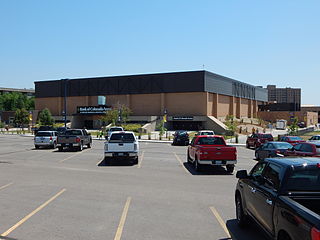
{"x": 277, "y": 151}
{"x": 50, "y": 138}
{"x": 315, "y": 234}
{"x": 318, "y": 165}
{"x": 77, "y": 139}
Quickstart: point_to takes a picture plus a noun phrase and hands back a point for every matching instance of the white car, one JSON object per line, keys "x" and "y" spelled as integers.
{"x": 205, "y": 132}
{"x": 122, "y": 145}
{"x": 45, "y": 139}
{"x": 314, "y": 139}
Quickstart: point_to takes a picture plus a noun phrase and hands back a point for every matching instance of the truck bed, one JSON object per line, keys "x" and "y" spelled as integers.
{"x": 310, "y": 202}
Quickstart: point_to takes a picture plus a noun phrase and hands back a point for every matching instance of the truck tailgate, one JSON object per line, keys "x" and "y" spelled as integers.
{"x": 120, "y": 147}
{"x": 66, "y": 139}
{"x": 219, "y": 153}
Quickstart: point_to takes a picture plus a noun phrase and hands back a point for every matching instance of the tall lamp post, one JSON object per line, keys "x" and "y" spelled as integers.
{"x": 65, "y": 102}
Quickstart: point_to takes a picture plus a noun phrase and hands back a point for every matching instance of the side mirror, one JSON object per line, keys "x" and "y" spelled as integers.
{"x": 241, "y": 174}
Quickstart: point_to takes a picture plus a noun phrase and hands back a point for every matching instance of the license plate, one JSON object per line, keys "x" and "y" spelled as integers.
{"x": 120, "y": 154}
{"x": 218, "y": 162}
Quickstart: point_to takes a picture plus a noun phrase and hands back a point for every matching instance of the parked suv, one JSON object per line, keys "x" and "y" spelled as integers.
{"x": 258, "y": 139}
{"x": 181, "y": 137}
{"x": 45, "y": 139}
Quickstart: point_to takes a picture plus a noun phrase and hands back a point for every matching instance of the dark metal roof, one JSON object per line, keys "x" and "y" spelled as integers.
{"x": 193, "y": 81}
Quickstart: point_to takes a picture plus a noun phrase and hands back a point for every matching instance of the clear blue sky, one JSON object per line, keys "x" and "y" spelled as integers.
{"x": 257, "y": 42}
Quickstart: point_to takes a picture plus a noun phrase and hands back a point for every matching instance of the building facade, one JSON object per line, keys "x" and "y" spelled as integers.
{"x": 290, "y": 96}
{"x": 191, "y": 100}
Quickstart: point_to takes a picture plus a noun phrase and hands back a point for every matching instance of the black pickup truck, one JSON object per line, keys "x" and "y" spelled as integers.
{"x": 74, "y": 138}
{"x": 282, "y": 196}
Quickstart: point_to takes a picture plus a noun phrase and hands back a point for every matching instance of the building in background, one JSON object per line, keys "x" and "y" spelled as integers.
{"x": 190, "y": 100}
{"x": 28, "y": 92}
{"x": 289, "y": 98}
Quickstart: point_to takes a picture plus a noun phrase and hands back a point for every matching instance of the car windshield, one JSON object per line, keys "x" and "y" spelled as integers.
{"x": 181, "y": 133}
{"x": 115, "y": 129}
{"x": 73, "y": 132}
{"x": 282, "y": 145}
{"x": 304, "y": 180}
{"x": 43, "y": 134}
{"x": 122, "y": 137}
{"x": 211, "y": 141}
{"x": 295, "y": 138}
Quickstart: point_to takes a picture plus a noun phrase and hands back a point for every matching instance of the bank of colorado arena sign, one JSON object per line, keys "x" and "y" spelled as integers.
{"x": 93, "y": 109}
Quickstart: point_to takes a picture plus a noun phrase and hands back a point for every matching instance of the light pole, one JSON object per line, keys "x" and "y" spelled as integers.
{"x": 65, "y": 102}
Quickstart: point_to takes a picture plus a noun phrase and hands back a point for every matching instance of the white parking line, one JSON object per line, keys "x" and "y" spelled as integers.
{"x": 141, "y": 159}
{"x": 220, "y": 220}
{"x": 72, "y": 156}
{"x": 181, "y": 162}
{"x": 6, "y": 185}
{"x": 123, "y": 219}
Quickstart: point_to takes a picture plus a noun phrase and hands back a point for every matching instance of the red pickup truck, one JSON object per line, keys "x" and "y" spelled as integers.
{"x": 211, "y": 150}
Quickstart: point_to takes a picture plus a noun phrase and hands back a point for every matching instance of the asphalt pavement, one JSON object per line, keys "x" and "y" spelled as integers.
{"x": 46, "y": 194}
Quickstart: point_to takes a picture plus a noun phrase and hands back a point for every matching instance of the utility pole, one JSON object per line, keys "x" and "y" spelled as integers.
{"x": 65, "y": 102}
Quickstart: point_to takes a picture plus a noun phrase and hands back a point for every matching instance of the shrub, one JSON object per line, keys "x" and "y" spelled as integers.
{"x": 131, "y": 127}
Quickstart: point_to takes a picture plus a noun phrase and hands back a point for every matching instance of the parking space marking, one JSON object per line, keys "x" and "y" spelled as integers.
{"x": 220, "y": 220}
{"x": 6, "y": 233}
{"x": 123, "y": 219}
{"x": 181, "y": 163}
{"x": 141, "y": 159}
{"x": 6, "y": 185}
{"x": 72, "y": 156}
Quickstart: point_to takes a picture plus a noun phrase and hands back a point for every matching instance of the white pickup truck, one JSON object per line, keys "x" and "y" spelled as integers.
{"x": 121, "y": 146}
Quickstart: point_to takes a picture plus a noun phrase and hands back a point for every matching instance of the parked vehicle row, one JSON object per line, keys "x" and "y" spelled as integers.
{"x": 282, "y": 196}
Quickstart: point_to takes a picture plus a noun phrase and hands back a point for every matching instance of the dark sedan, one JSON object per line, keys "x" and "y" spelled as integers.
{"x": 181, "y": 137}
{"x": 272, "y": 149}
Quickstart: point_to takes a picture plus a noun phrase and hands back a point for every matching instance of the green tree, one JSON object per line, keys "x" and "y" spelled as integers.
{"x": 45, "y": 117}
{"x": 110, "y": 116}
{"x": 231, "y": 124}
{"x": 293, "y": 127}
{"x": 124, "y": 113}
{"x": 161, "y": 128}
{"x": 21, "y": 117}
{"x": 15, "y": 100}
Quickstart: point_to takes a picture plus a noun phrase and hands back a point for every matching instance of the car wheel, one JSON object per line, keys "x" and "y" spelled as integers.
{"x": 257, "y": 156}
{"x": 80, "y": 148}
{"x": 136, "y": 160}
{"x": 197, "y": 166}
{"x": 54, "y": 145}
{"x": 242, "y": 219}
{"x": 188, "y": 157}
{"x": 247, "y": 145}
{"x": 60, "y": 149}
{"x": 36, "y": 146}
{"x": 255, "y": 146}
{"x": 230, "y": 168}
{"x": 89, "y": 145}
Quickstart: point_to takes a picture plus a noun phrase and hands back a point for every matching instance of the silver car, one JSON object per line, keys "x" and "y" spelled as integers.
{"x": 45, "y": 139}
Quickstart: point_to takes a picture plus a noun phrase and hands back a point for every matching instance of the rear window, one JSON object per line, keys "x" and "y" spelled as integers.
{"x": 283, "y": 145}
{"x": 73, "y": 132}
{"x": 295, "y": 138}
{"x": 206, "y": 133}
{"x": 304, "y": 180}
{"x": 115, "y": 129}
{"x": 43, "y": 134}
{"x": 265, "y": 136}
{"x": 122, "y": 137}
{"x": 211, "y": 141}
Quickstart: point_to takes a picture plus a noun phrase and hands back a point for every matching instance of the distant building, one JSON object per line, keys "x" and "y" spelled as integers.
{"x": 190, "y": 100}
{"x": 28, "y": 92}
{"x": 290, "y": 96}
{"x": 311, "y": 108}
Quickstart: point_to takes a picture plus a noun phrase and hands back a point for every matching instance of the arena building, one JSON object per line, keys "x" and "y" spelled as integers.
{"x": 191, "y": 100}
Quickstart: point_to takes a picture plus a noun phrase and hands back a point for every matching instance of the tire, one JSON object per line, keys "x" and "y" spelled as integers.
{"x": 283, "y": 236}
{"x": 257, "y": 156}
{"x": 60, "y": 149}
{"x": 242, "y": 218}
{"x": 80, "y": 148}
{"x": 36, "y": 146}
{"x": 54, "y": 145}
{"x": 230, "y": 168}
{"x": 255, "y": 146}
{"x": 197, "y": 166}
{"x": 188, "y": 157}
{"x": 135, "y": 161}
{"x": 247, "y": 145}
{"x": 89, "y": 145}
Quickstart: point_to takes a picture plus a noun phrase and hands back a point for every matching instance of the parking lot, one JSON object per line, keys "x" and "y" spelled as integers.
{"x": 46, "y": 194}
